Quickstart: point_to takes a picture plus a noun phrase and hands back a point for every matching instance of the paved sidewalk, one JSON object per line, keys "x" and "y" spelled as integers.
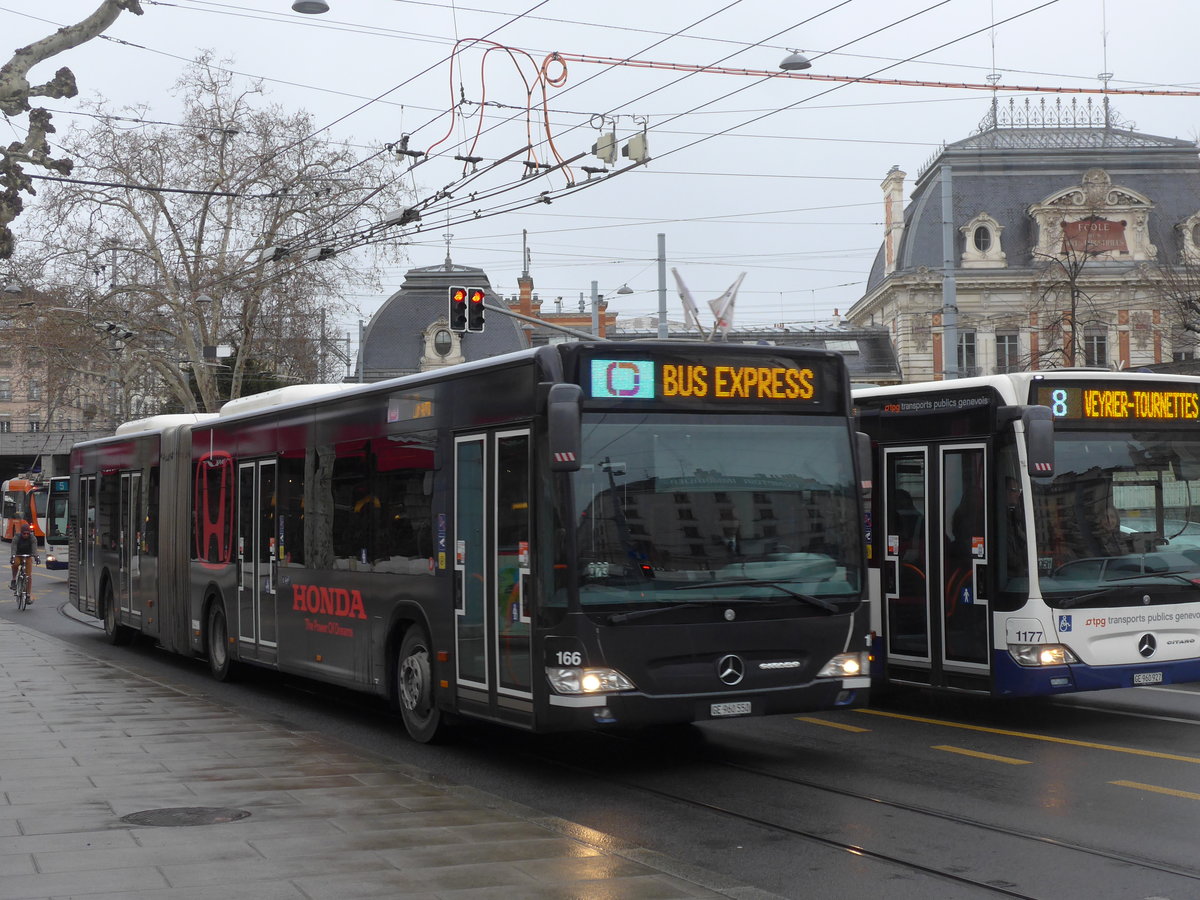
{"x": 84, "y": 742}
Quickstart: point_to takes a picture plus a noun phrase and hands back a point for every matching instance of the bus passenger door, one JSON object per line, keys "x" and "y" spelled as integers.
{"x": 511, "y": 548}
{"x": 86, "y": 541}
{"x": 129, "y": 548}
{"x": 906, "y": 589}
{"x": 257, "y": 560}
{"x": 491, "y": 567}
{"x": 966, "y": 554}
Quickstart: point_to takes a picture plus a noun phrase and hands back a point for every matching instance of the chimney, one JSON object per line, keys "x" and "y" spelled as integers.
{"x": 893, "y": 216}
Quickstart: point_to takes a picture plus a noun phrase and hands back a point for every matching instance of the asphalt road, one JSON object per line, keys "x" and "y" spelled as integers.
{"x": 1090, "y": 796}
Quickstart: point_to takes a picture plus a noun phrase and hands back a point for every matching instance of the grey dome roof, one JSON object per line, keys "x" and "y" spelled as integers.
{"x": 392, "y": 342}
{"x": 1002, "y": 171}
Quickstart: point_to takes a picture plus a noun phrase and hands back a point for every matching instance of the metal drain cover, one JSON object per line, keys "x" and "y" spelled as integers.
{"x": 186, "y": 815}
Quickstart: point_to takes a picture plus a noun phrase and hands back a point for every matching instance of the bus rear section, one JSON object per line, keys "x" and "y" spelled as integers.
{"x": 1039, "y": 532}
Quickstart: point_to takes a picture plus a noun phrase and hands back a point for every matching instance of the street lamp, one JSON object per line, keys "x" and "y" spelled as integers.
{"x": 793, "y": 62}
{"x": 310, "y": 7}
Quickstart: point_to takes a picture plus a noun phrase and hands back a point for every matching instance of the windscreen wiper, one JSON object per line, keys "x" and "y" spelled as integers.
{"x": 1072, "y": 602}
{"x": 819, "y": 602}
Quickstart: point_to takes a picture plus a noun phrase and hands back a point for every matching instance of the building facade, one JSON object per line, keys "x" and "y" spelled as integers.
{"x": 1042, "y": 241}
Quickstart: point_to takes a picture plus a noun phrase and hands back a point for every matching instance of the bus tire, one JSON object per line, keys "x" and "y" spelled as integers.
{"x": 414, "y": 687}
{"x": 216, "y": 643}
{"x": 116, "y": 633}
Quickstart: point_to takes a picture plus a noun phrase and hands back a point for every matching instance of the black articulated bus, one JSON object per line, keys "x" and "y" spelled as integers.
{"x": 586, "y": 535}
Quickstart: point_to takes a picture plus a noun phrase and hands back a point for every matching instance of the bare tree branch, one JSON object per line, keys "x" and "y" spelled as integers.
{"x": 15, "y": 91}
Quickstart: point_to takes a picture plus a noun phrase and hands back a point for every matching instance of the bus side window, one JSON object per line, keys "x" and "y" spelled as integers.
{"x": 403, "y": 537}
{"x": 291, "y": 506}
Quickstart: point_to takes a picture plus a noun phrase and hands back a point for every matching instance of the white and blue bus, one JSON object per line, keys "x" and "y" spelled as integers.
{"x": 1035, "y": 533}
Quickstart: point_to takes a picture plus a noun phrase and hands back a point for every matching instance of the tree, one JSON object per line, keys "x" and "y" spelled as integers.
{"x": 1062, "y": 295}
{"x": 15, "y": 91}
{"x": 1179, "y": 285}
{"x": 212, "y": 242}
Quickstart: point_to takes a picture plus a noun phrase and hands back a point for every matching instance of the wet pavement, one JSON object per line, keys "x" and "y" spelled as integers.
{"x": 225, "y": 804}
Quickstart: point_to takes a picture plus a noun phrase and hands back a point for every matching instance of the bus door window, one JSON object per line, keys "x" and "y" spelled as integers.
{"x": 128, "y": 534}
{"x": 906, "y": 560}
{"x": 87, "y": 540}
{"x": 512, "y": 554}
{"x": 256, "y": 550}
{"x": 965, "y": 555}
{"x": 470, "y": 568}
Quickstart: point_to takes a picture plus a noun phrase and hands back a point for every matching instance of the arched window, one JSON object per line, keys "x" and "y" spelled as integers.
{"x": 983, "y": 238}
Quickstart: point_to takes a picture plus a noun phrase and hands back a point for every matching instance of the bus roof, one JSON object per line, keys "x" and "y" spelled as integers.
{"x": 1014, "y": 386}
{"x": 158, "y": 423}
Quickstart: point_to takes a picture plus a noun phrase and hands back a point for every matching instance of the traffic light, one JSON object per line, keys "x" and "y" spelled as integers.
{"x": 475, "y": 309}
{"x": 458, "y": 309}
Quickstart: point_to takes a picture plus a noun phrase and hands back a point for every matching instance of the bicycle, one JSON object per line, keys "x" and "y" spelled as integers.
{"x": 22, "y": 586}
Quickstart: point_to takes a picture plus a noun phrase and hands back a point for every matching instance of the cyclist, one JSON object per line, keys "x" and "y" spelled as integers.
{"x": 24, "y": 552}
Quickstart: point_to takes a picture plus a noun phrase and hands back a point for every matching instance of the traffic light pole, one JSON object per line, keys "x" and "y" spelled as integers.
{"x": 563, "y": 328}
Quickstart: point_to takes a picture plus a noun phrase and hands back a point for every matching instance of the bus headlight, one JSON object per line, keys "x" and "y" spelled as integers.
{"x": 846, "y": 665}
{"x": 587, "y": 681}
{"x": 1041, "y": 654}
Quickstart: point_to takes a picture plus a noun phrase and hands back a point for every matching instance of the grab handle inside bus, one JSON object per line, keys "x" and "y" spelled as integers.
{"x": 1039, "y": 439}
{"x": 562, "y": 425}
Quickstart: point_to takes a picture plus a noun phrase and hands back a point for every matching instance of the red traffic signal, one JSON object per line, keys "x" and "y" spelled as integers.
{"x": 458, "y": 309}
{"x": 475, "y": 309}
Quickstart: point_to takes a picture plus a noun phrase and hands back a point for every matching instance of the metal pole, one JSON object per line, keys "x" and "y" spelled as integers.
{"x": 662, "y": 286}
{"x": 949, "y": 291}
{"x": 595, "y": 309}
{"x": 362, "y": 373}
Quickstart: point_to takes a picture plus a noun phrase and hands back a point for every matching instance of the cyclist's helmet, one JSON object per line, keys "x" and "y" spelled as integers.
{"x": 25, "y": 529}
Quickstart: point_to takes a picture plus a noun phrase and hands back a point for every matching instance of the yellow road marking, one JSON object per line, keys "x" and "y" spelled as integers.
{"x": 975, "y": 753}
{"x": 1152, "y": 754}
{"x": 814, "y": 721}
{"x": 1187, "y": 795}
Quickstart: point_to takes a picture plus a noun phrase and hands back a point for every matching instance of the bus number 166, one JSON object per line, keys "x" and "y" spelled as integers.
{"x": 569, "y": 658}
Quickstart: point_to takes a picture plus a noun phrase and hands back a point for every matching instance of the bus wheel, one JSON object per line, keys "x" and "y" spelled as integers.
{"x": 220, "y": 664}
{"x": 414, "y": 687}
{"x": 114, "y": 631}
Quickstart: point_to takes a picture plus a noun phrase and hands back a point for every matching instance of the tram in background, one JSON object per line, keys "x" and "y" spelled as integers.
{"x": 57, "y": 546}
{"x": 1036, "y": 533}
{"x": 22, "y": 499}
{"x": 579, "y": 536}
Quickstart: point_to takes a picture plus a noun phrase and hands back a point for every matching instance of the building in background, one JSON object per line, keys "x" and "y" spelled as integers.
{"x": 1065, "y": 226}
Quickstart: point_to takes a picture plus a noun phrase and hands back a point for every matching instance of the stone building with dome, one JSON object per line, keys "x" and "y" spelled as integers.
{"x": 1043, "y": 240}
{"x": 411, "y": 331}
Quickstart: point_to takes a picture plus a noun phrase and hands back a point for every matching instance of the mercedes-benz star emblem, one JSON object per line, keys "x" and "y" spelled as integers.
{"x": 1147, "y": 645}
{"x": 730, "y": 669}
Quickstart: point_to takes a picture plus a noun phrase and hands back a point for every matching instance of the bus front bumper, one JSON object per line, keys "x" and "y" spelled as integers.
{"x": 631, "y": 709}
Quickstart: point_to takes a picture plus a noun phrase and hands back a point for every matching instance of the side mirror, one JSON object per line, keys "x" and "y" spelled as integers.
{"x": 563, "y": 427}
{"x": 1039, "y": 439}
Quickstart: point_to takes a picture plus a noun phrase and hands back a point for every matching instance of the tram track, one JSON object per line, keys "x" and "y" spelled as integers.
{"x": 595, "y": 763}
{"x": 884, "y": 857}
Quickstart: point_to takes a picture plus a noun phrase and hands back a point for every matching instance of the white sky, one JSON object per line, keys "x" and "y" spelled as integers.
{"x": 779, "y": 179}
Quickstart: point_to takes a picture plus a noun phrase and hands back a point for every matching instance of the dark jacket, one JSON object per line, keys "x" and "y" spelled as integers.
{"x": 24, "y": 544}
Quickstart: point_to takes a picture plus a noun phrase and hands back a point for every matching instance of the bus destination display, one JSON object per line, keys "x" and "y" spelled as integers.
{"x": 1110, "y": 403}
{"x": 652, "y": 379}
